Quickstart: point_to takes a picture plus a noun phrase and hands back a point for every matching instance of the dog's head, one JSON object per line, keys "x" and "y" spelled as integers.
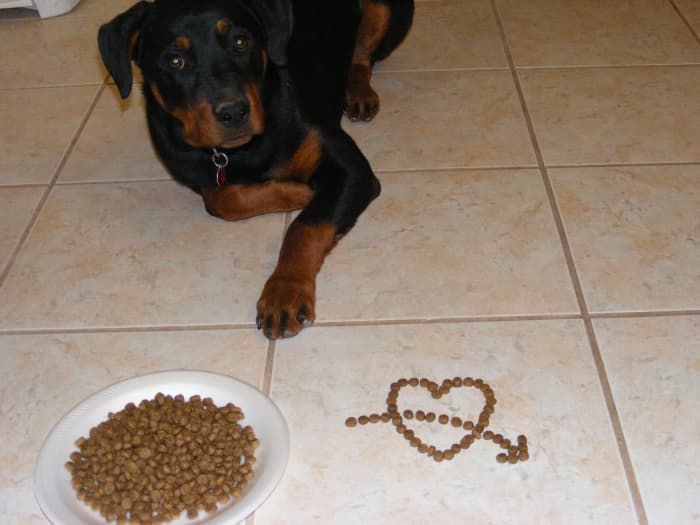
{"x": 204, "y": 61}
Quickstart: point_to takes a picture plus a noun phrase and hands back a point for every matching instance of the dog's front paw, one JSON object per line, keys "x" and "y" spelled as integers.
{"x": 286, "y": 306}
{"x": 361, "y": 101}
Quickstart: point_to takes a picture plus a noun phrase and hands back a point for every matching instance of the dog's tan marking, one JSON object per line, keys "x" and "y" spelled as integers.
{"x": 222, "y": 26}
{"x": 200, "y": 127}
{"x": 156, "y": 95}
{"x": 236, "y": 202}
{"x": 304, "y": 162}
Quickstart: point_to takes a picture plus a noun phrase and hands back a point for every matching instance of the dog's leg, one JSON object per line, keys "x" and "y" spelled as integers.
{"x": 236, "y": 202}
{"x": 345, "y": 185}
{"x": 288, "y": 300}
{"x": 361, "y": 101}
{"x": 383, "y": 26}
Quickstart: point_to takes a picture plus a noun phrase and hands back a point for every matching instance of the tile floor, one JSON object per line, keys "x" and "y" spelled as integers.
{"x": 539, "y": 228}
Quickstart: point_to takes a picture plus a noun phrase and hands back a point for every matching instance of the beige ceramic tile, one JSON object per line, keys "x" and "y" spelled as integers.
{"x": 17, "y": 205}
{"x": 590, "y": 32}
{"x": 445, "y": 119}
{"x": 449, "y": 244}
{"x": 691, "y": 11}
{"x": 635, "y": 234}
{"x": 653, "y": 365}
{"x": 46, "y": 375}
{"x": 615, "y": 115}
{"x": 52, "y": 52}
{"x": 541, "y": 373}
{"x": 37, "y": 127}
{"x": 137, "y": 254}
{"x": 449, "y": 35}
{"x": 115, "y": 144}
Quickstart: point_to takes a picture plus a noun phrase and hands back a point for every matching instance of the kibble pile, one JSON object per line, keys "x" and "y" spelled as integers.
{"x": 475, "y": 430}
{"x": 147, "y": 464}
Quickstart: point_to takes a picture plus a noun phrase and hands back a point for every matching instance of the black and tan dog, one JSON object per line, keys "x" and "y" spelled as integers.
{"x": 244, "y": 100}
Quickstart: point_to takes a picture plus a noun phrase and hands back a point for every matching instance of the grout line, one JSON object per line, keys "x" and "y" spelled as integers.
{"x": 625, "y": 164}
{"x": 128, "y": 329}
{"x": 388, "y": 171}
{"x": 685, "y": 20}
{"x": 446, "y": 320}
{"x": 112, "y": 181}
{"x": 389, "y": 71}
{"x": 566, "y": 67}
{"x": 42, "y": 201}
{"x": 269, "y": 367}
{"x": 644, "y": 314}
{"x": 613, "y": 414}
{"x": 355, "y": 323}
{"x": 52, "y": 86}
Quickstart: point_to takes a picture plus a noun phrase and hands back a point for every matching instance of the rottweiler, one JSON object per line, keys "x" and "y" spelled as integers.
{"x": 244, "y": 101}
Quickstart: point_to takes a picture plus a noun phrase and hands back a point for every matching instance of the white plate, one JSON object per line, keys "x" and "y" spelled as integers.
{"x": 52, "y": 482}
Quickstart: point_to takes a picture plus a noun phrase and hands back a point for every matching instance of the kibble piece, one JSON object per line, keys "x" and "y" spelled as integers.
{"x": 505, "y": 443}
{"x": 497, "y": 438}
{"x": 422, "y": 448}
{"x": 385, "y": 417}
{"x": 374, "y": 418}
{"x": 455, "y": 448}
{"x": 512, "y": 459}
{"x": 413, "y": 381}
{"x": 457, "y": 382}
{"x": 423, "y": 382}
{"x": 350, "y": 422}
{"x": 448, "y": 455}
{"x": 408, "y": 414}
{"x": 522, "y": 440}
{"x": 466, "y": 441}
{"x": 420, "y": 415}
{"x": 443, "y": 419}
{"x": 438, "y": 455}
{"x": 467, "y": 381}
{"x": 430, "y": 417}
{"x": 487, "y": 435}
{"x": 523, "y": 455}
{"x": 468, "y": 425}
{"x": 456, "y": 421}
{"x": 363, "y": 420}
{"x": 502, "y": 458}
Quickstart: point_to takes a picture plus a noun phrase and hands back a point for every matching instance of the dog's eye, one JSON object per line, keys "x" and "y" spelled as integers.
{"x": 240, "y": 43}
{"x": 176, "y": 62}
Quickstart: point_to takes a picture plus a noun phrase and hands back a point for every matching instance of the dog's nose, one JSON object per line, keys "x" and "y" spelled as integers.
{"x": 232, "y": 113}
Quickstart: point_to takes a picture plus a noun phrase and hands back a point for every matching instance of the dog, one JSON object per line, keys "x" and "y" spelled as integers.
{"x": 244, "y": 102}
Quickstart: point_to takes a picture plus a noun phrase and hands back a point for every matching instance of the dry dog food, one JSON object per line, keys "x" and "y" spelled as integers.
{"x": 147, "y": 464}
{"x": 475, "y": 430}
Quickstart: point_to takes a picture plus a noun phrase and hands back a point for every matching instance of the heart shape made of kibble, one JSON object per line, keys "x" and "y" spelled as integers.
{"x": 474, "y": 430}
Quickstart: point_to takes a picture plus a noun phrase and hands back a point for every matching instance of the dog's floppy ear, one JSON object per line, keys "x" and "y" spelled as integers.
{"x": 117, "y": 39}
{"x": 276, "y": 16}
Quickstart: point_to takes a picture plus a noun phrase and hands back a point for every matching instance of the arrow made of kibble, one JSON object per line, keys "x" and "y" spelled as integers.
{"x": 475, "y": 431}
